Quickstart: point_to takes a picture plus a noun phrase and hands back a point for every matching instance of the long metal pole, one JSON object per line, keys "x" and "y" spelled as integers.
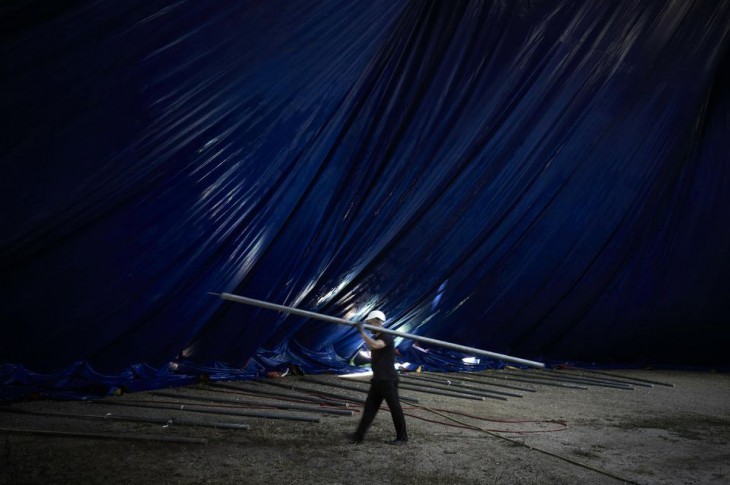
{"x": 431, "y": 385}
{"x": 627, "y": 377}
{"x": 229, "y": 388}
{"x": 202, "y": 409}
{"x": 261, "y": 404}
{"x": 111, "y": 436}
{"x": 531, "y": 381}
{"x": 454, "y": 383}
{"x": 444, "y": 393}
{"x": 569, "y": 379}
{"x": 342, "y": 321}
{"x": 135, "y": 419}
{"x": 309, "y": 390}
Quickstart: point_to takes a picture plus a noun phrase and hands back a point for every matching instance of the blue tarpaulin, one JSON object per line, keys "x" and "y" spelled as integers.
{"x": 546, "y": 179}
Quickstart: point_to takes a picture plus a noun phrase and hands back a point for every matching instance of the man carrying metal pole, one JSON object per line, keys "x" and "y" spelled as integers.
{"x": 341, "y": 321}
{"x": 384, "y": 384}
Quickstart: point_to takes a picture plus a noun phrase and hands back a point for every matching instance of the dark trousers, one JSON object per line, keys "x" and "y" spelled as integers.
{"x": 379, "y": 391}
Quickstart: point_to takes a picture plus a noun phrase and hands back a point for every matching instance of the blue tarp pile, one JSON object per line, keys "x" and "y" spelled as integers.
{"x": 545, "y": 179}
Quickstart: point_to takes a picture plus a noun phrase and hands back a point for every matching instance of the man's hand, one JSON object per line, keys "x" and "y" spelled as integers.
{"x": 360, "y": 328}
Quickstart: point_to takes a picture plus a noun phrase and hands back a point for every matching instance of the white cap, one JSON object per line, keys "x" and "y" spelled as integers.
{"x": 376, "y": 315}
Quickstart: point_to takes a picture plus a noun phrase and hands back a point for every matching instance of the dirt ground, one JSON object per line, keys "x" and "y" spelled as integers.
{"x": 580, "y": 434}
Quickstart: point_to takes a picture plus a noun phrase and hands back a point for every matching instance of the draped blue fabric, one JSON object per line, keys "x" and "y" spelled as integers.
{"x": 545, "y": 179}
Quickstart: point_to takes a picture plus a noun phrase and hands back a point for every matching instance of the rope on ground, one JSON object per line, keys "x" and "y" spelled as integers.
{"x": 562, "y": 427}
{"x": 480, "y": 429}
{"x": 549, "y": 453}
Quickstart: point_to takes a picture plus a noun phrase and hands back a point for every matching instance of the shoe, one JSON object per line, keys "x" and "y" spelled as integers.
{"x": 354, "y": 439}
{"x": 397, "y": 442}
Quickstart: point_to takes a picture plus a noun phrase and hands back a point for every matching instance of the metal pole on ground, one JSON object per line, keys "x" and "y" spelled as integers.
{"x": 531, "y": 381}
{"x": 570, "y": 379}
{"x": 313, "y": 391}
{"x": 246, "y": 402}
{"x": 494, "y": 384}
{"x": 459, "y": 384}
{"x": 461, "y": 390}
{"x": 565, "y": 373}
{"x": 648, "y": 381}
{"x": 135, "y": 419}
{"x": 444, "y": 393}
{"x": 201, "y": 409}
{"x": 430, "y": 390}
{"x": 108, "y": 436}
{"x": 342, "y": 321}
{"x": 230, "y": 388}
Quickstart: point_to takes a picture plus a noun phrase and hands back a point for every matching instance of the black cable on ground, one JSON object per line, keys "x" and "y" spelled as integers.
{"x": 469, "y": 426}
{"x": 546, "y": 452}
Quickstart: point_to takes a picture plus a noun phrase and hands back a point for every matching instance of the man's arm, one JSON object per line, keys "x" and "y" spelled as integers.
{"x": 371, "y": 343}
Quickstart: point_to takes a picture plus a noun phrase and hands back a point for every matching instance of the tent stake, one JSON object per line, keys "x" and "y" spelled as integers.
{"x": 342, "y": 321}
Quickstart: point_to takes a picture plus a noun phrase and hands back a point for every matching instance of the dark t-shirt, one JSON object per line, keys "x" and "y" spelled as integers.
{"x": 383, "y": 360}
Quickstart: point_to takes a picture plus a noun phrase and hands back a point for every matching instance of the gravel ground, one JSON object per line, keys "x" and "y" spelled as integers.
{"x": 579, "y": 434}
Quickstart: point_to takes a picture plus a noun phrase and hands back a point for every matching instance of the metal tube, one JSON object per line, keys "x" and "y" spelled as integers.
{"x": 572, "y": 380}
{"x": 109, "y": 436}
{"x": 265, "y": 404}
{"x": 442, "y": 393}
{"x": 471, "y": 392}
{"x": 648, "y": 381}
{"x": 531, "y": 381}
{"x": 342, "y": 321}
{"x": 136, "y": 419}
{"x": 581, "y": 375}
{"x": 308, "y": 390}
{"x": 494, "y": 384}
{"x": 222, "y": 387}
{"x": 460, "y": 385}
{"x": 202, "y": 409}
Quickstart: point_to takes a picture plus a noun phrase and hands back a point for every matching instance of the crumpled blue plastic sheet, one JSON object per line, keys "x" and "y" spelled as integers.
{"x": 80, "y": 381}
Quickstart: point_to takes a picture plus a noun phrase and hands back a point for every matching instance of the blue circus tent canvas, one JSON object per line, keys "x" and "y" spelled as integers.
{"x": 547, "y": 179}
